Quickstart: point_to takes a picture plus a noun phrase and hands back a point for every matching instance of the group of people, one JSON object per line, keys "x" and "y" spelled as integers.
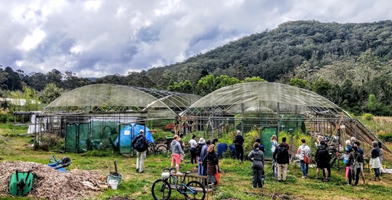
{"x": 203, "y": 153}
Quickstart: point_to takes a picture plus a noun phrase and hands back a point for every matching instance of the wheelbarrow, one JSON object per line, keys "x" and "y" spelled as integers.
{"x": 21, "y": 183}
{"x": 59, "y": 164}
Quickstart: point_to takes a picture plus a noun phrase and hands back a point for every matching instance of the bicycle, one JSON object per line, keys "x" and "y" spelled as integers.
{"x": 156, "y": 149}
{"x": 161, "y": 189}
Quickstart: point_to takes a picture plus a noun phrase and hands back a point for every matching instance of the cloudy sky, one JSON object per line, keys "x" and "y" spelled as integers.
{"x": 94, "y": 38}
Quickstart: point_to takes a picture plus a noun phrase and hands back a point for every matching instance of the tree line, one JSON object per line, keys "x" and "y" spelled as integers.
{"x": 350, "y": 64}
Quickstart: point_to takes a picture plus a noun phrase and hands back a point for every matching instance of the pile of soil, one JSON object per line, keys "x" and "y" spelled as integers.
{"x": 52, "y": 184}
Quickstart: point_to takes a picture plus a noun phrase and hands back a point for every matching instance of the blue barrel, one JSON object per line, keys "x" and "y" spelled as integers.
{"x": 232, "y": 147}
{"x": 222, "y": 147}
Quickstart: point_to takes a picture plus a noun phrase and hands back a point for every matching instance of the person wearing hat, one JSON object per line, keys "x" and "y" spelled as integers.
{"x": 193, "y": 145}
{"x": 140, "y": 144}
{"x": 322, "y": 158}
{"x": 239, "y": 145}
{"x": 198, "y": 151}
{"x": 176, "y": 153}
{"x": 203, "y": 157}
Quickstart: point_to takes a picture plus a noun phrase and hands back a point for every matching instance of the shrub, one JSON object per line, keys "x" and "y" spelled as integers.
{"x": 386, "y": 137}
{"x": 367, "y": 117}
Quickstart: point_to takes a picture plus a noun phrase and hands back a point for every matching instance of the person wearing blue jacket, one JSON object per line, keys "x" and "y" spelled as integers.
{"x": 203, "y": 156}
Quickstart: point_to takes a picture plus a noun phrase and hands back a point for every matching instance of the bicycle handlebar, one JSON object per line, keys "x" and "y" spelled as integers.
{"x": 168, "y": 169}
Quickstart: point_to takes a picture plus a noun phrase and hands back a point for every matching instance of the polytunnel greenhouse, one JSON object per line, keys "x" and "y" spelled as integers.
{"x": 271, "y": 108}
{"x": 98, "y": 116}
{"x": 95, "y": 116}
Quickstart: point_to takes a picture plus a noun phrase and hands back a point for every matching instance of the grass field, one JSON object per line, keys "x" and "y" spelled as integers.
{"x": 235, "y": 179}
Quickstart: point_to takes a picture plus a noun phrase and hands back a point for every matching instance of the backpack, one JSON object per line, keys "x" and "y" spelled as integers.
{"x": 140, "y": 144}
{"x": 198, "y": 149}
{"x": 355, "y": 164}
{"x": 281, "y": 156}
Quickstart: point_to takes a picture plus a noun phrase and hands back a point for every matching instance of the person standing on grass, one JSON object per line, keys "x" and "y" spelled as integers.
{"x": 193, "y": 145}
{"x": 281, "y": 156}
{"x": 176, "y": 154}
{"x": 212, "y": 165}
{"x": 355, "y": 168}
{"x": 381, "y": 156}
{"x": 257, "y": 158}
{"x": 322, "y": 159}
{"x": 199, "y": 149}
{"x": 140, "y": 144}
{"x": 302, "y": 151}
{"x": 375, "y": 160}
{"x": 261, "y": 147}
{"x": 239, "y": 145}
{"x": 360, "y": 151}
{"x": 203, "y": 156}
{"x": 182, "y": 144}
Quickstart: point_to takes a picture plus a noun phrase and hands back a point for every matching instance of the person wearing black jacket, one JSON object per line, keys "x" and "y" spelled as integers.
{"x": 239, "y": 143}
{"x": 141, "y": 153}
{"x": 355, "y": 168}
{"x": 322, "y": 159}
{"x": 281, "y": 155}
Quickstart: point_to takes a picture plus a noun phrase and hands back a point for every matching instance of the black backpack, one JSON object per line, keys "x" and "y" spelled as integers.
{"x": 198, "y": 149}
{"x": 140, "y": 144}
{"x": 281, "y": 156}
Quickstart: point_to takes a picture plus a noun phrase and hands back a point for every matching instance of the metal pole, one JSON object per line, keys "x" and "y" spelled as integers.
{"x": 278, "y": 113}
{"x": 242, "y": 117}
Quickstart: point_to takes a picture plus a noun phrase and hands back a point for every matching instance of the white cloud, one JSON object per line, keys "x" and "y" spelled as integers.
{"x": 114, "y": 36}
{"x": 31, "y": 41}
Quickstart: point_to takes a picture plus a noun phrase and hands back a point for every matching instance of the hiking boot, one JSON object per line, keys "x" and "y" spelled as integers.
{"x": 141, "y": 171}
{"x": 137, "y": 169}
{"x": 303, "y": 176}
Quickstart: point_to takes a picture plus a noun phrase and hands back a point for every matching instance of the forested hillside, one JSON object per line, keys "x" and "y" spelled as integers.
{"x": 350, "y": 64}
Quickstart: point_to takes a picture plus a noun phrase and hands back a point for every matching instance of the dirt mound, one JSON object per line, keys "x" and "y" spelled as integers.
{"x": 52, "y": 184}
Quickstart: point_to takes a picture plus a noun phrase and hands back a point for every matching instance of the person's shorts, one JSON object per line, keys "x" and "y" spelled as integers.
{"x": 361, "y": 166}
{"x": 321, "y": 165}
{"x": 176, "y": 158}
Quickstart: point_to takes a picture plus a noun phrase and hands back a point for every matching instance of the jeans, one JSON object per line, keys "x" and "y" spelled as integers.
{"x": 201, "y": 169}
{"x": 240, "y": 152}
{"x": 377, "y": 172}
{"x": 304, "y": 167}
{"x": 257, "y": 175}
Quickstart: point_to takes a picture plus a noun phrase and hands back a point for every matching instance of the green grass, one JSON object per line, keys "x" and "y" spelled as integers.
{"x": 236, "y": 177}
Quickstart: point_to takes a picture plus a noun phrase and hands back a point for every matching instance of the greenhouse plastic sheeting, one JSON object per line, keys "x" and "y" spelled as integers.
{"x": 127, "y": 135}
{"x": 263, "y": 97}
{"x": 109, "y": 96}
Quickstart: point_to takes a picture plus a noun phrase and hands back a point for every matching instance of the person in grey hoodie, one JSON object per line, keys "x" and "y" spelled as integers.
{"x": 203, "y": 156}
{"x": 257, "y": 157}
{"x": 177, "y": 151}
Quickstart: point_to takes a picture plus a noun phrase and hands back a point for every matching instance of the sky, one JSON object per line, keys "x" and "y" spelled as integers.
{"x": 94, "y": 38}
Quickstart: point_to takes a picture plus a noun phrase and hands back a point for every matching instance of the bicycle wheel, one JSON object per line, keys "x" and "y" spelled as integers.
{"x": 198, "y": 190}
{"x": 160, "y": 149}
{"x": 161, "y": 190}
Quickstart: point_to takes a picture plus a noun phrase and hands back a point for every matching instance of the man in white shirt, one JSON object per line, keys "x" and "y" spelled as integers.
{"x": 193, "y": 145}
